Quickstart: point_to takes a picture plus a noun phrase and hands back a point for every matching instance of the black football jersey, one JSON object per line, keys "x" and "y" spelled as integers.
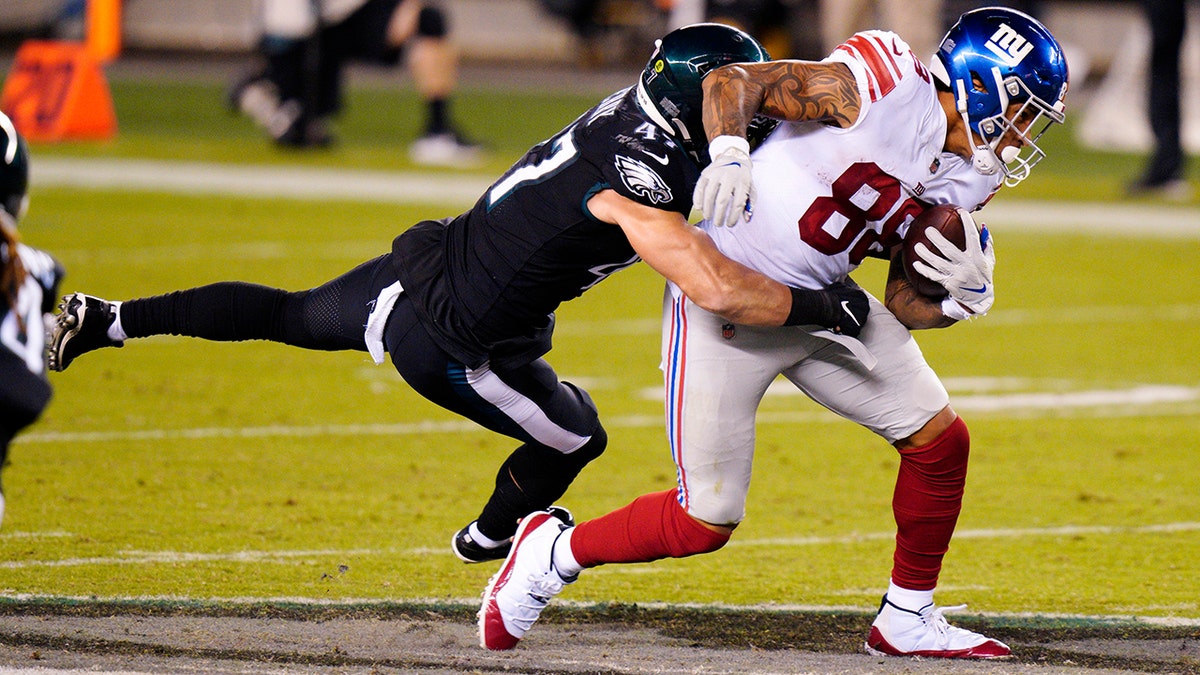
{"x": 488, "y": 281}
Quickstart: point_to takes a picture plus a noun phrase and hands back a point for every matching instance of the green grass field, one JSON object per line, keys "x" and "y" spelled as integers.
{"x": 180, "y": 468}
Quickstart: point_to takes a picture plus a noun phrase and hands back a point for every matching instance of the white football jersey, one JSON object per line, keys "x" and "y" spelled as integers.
{"x": 22, "y": 328}
{"x": 827, "y": 197}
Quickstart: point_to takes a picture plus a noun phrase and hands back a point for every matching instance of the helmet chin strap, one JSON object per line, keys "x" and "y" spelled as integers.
{"x": 985, "y": 161}
{"x": 982, "y": 158}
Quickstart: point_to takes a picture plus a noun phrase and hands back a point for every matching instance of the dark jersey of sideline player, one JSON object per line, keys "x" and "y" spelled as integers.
{"x": 534, "y": 235}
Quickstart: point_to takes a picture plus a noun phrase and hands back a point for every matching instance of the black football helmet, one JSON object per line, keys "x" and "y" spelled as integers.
{"x": 669, "y": 87}
{"x": 14, "y": 169}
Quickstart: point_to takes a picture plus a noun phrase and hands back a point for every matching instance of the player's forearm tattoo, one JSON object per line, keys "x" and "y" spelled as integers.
{"x": 788, "y": 90}
{"x": 820, "y": 94}
{"x": 913, "y": 310}
{"x": 731, "y": 98}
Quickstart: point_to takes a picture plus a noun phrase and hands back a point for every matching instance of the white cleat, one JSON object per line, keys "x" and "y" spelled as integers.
{"x": 525, "y": 584}
{"x": 445, "y": 149}
{"x": 925, "y": 632}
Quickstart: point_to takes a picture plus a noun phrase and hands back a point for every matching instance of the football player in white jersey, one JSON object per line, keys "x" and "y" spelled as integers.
{"x": 870, "y": 137}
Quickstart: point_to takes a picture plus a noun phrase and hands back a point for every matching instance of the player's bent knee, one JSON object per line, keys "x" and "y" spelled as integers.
{"x": 931, "y": 431}
{"x": 948, "y": 453}
{"x": 687, "y": 535}
{"x": 726, "y": 512}
{"x": 594, "y": 447}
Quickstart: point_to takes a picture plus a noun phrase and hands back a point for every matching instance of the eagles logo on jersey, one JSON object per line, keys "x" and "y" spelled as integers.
{"x": 641, "y": 179}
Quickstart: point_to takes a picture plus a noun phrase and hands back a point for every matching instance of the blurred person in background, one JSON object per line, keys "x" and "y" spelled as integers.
{"x": 769, "y": 21}
{"x": 306, "y": 45}
{"x": 582, "y": 18}
{"x": 919, "y": 21}
{"x": 608, "y": 32}
{"x": 28, "y": 285}
{"x": 1164, "y": 172}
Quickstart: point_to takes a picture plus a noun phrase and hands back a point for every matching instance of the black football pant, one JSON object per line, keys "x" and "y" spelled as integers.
{"x": 23, "y": 397}
{"x": 332, "y": 317}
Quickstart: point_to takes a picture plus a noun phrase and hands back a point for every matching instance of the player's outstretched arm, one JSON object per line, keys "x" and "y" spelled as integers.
{"x": 687, "y": 256}
{"x": 786, "y": 90}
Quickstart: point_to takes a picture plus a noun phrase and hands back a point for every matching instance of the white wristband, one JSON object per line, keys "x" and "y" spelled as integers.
{"x": 720, "y": 144}
{"x": 952, "y": 309}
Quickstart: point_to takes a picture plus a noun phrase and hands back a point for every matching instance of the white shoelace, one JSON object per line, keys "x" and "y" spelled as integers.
{"x": 937, "y": 620}
{"x": 541, "y": 590}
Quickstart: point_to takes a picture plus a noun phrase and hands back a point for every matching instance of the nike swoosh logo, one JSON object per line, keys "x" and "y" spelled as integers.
{"x": 663, "y": 159}
{"x": 981, "y": 289}
{"x": 846, "y": 307}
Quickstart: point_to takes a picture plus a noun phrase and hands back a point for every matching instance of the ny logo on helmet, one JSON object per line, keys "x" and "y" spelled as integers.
{"x": 1007, "y": 44}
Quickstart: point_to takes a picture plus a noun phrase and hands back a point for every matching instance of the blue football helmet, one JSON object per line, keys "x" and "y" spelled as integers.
{"x": 14, "y": 169}
{"x": 669, "y": 88}
{"x": 991, "y": 59}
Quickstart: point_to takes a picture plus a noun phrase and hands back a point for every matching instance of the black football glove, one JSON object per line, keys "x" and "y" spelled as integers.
{"x": 841, "y": 308}
{"x": 848, "y": 309}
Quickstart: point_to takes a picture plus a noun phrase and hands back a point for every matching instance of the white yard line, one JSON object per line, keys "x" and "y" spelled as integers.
{"x": 464, "y": 188}
{"x": 1147, "y": 400}
{"x": 987, "y": 533}
{"x": 252, "y": 180}
{"x": 177, "y": 557}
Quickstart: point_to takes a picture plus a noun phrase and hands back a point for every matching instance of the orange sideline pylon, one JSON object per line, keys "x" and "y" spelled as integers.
{"x": 57, "y": 91}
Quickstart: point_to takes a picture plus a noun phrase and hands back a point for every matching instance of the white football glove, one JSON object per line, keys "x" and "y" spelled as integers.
{"x": 966, "y": 275}
{"x": 725, "y": 192}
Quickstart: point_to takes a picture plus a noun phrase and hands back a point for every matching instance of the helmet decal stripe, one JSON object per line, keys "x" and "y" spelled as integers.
{"x": 10, "y": 131}
{"x": 651, "y": 110}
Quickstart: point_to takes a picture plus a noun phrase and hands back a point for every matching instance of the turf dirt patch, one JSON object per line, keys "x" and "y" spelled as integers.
{"x": 219, "y": 637}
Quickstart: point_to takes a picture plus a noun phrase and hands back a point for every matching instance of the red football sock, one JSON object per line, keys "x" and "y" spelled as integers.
{"x": 926, "y": 504}
{"x": 653, "y": 526}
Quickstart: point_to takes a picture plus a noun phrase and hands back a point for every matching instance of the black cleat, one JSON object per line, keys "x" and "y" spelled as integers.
{"x": 81, "y": 326}
{"x": 470, "y": 552}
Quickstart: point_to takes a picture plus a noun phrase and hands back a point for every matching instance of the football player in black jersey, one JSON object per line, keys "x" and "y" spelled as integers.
{"x": 28, "y": 285}
{"x": 464, "y": 306}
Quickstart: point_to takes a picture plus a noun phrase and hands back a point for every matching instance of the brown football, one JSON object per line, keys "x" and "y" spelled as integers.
{"x": 945, "y": 219}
